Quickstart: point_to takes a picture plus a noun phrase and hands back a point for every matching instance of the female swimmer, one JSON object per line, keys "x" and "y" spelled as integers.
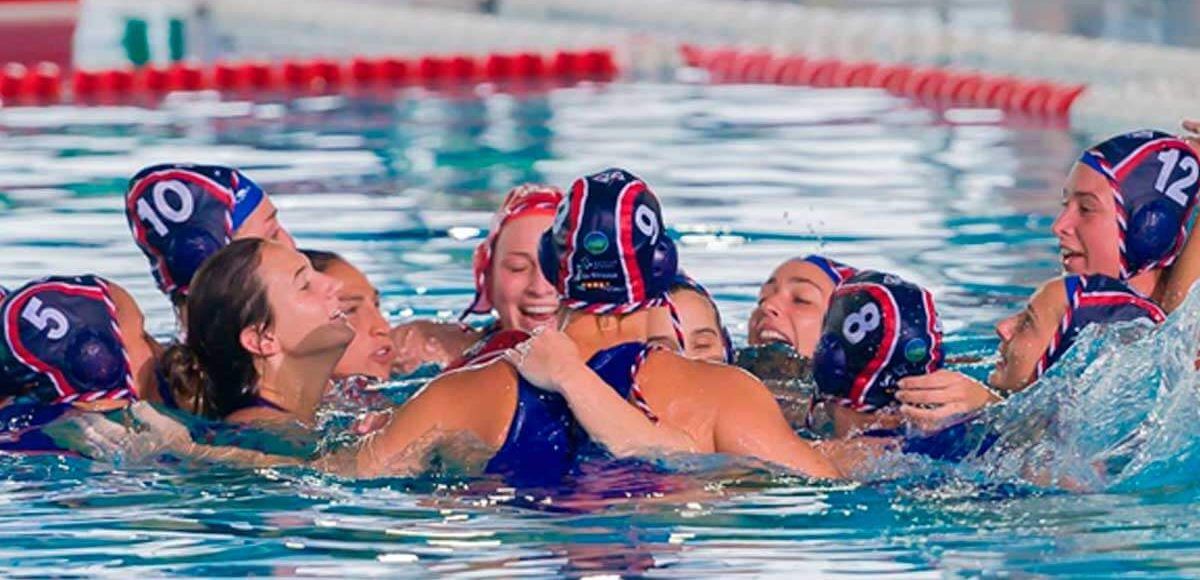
{"x": 507, "y": 282}
{"x": 1126, "y": 205}
{"x": 704, "y": 336}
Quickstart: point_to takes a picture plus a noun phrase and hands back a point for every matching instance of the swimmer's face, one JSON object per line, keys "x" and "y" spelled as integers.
{"x": 791, "y": 307}
{"x": 308, "y": 319}
{"x": 1025, "y": 336}
{"x": 1086, "y": 227}
{"x": 371, "y": 353}
{"x": 142, "y": 349}
{"x": 263, "y": 223}
{"x": 522, "y": 297}
{"x": 698, "y": 317}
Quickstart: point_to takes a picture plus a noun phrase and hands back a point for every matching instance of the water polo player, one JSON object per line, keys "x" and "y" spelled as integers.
{"x": 704, "y": 335}
{"x": 70, "y": 342}
{"x": 180, "y": 214}
{"x": 1126, "y": 205}
{"x": 507, "y": 280}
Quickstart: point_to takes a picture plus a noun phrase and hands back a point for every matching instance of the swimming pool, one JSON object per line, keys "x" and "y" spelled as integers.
{"x": 748, "y": 175}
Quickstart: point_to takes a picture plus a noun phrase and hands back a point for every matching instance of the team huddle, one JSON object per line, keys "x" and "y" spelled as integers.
{"x": 598, "y": 342}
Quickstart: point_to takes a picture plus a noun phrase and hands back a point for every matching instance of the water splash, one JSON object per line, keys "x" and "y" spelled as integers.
{"x": 1119, "y": 412}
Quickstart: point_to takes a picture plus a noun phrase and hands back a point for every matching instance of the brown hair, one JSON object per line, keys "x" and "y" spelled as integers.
{"x": 211, "y": 374}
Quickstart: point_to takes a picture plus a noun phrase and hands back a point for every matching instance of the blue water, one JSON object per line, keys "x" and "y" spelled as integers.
{"x": 961, "y": 201}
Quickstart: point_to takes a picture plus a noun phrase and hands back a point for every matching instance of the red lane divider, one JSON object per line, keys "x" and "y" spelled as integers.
{"x": 44, "y": 84}
{"x": 962, "y": 88}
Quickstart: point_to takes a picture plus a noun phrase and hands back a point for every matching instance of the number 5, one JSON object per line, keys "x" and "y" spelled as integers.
{"x": 41, "y": 318}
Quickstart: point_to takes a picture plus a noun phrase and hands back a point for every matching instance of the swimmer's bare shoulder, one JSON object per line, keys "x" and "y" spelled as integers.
{"x": 727, "y": 410}
{"x": 477, "y": 402}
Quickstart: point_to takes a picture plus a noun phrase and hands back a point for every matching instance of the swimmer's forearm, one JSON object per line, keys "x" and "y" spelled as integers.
{"x": 238, "y": 457}
{"x": 613, "y": 422}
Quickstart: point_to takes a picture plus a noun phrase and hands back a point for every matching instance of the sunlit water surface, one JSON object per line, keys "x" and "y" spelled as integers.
{"x": 403, "y": 186}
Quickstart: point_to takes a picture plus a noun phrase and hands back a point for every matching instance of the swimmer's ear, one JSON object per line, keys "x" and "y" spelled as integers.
{"x": 259, "y": 341}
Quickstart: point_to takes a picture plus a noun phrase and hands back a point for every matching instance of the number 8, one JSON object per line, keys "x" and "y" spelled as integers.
{"x": 857, "y": 325}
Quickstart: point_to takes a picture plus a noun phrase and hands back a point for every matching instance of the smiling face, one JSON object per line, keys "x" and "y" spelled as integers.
{"x": 142, "y": 349}
{"x": 371, "y": 353}
{"x": 1025, "y": 336}
{"x": 263, "y": 223}
{"x": 1086, "y": 227}
{"x": 522, "y": 297}
{"x": 791, "y": 307}
{"x": 308, "y": 318}
{"x": 698, "y": 318}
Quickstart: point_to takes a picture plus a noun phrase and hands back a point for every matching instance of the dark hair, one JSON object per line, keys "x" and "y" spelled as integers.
{"x": 322, "y": 260}
{"x": 210, "y": 373}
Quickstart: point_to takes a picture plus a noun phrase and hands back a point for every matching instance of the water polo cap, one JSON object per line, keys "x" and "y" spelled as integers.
{"x": 837, "y": 271}
{"x": 1095, "y": 299}
{"x": 1153, "y": 177}
{"x": 62, "y": 342}
{"x": 181, "y": 214}
{"x": 878, "y": 330}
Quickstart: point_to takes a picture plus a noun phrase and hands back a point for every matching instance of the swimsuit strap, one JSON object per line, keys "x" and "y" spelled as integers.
{"x": 259, "y": 401}
{"x": 635, "y": 390}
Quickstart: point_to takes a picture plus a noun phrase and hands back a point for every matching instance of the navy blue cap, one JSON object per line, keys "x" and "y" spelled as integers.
{"x": 1154, "y": 177}
{"x": 180, "y": 214}
{"x": 608, "y": 250}
{"x": 62, "y": 342}
{"x": 878, "y": 330}
{"x": 1096, "y": 299}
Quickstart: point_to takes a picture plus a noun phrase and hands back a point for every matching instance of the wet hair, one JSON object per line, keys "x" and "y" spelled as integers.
{"x": 322, "y": 260}
{"x": 211, "y": 374}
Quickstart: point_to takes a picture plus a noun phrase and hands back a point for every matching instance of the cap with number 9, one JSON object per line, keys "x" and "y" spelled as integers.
{"x": 878, "y": 330}
{"x": 62, "y": 342}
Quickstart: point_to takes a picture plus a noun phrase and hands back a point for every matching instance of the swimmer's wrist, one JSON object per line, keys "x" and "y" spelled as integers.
{"x": 994, "y": 395}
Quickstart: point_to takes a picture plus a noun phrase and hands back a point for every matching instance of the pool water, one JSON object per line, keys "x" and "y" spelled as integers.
{"x": 402, "y": 185}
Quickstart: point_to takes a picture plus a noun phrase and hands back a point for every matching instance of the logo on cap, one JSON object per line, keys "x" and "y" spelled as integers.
{"x": 595, "y": 243}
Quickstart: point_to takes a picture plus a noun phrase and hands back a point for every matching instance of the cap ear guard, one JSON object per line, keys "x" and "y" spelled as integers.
{"x": 664, "y": 266}
{"x": 548, "y": 259}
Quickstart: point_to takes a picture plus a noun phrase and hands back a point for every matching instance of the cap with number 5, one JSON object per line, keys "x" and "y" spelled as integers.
{"x": 1154, "y": 179}
{"x": 878, "y": 330}
{"x": 180, "y": 214}
{"x": 62, "y": 342}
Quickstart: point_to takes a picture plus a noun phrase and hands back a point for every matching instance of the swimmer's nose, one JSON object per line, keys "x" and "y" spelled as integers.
{"x": 539, "y": 287}
{"x": 1004, "y": 328}
{"x": 379, "y": 324}
{"x": 1063, "y": 225}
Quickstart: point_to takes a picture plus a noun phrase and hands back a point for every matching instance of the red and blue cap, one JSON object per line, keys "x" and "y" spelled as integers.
{"x": 608, "y": 251}
{"x": 1154, "y": 178}
{"x": 524, "y": 200}
{"x": 837, "y": 271}
{"x": 62, "y": 342}
{"x": 180, "y": 214}
{"x": 1095, "y": 299}
{"x": 878, "y": 330}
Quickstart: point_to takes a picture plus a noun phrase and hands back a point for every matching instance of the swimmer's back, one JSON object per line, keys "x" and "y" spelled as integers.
{"x": 476, "y": 402}
{"x": 726, "y": 410}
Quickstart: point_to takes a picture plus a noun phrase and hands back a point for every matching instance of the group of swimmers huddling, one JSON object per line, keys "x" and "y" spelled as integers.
{"x": 598, "y": 342}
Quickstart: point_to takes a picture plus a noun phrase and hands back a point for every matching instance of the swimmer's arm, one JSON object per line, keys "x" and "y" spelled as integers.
{"x": 403, "y": 446}
{"x": 622, "y": 428}
{"x": 1186, "y": 269}
{"x": 750, "y": 423}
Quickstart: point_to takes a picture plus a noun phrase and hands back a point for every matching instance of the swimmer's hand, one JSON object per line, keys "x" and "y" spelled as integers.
{"x": 421, "y": 342}
{"x": 1192, "y": 126}
{"x": 146, "y": 436}
{"x": 549, "y": 360}
{"x": 940, "y": 399}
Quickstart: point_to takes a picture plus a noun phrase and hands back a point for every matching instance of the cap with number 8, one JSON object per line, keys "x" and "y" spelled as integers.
{"x": 878, "y": 330}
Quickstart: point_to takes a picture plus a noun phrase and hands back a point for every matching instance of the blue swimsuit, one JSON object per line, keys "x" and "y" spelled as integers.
{"x": 544, "y": 438}
{"x": 954, "y": 443}
{"x": 21, "y": 427}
